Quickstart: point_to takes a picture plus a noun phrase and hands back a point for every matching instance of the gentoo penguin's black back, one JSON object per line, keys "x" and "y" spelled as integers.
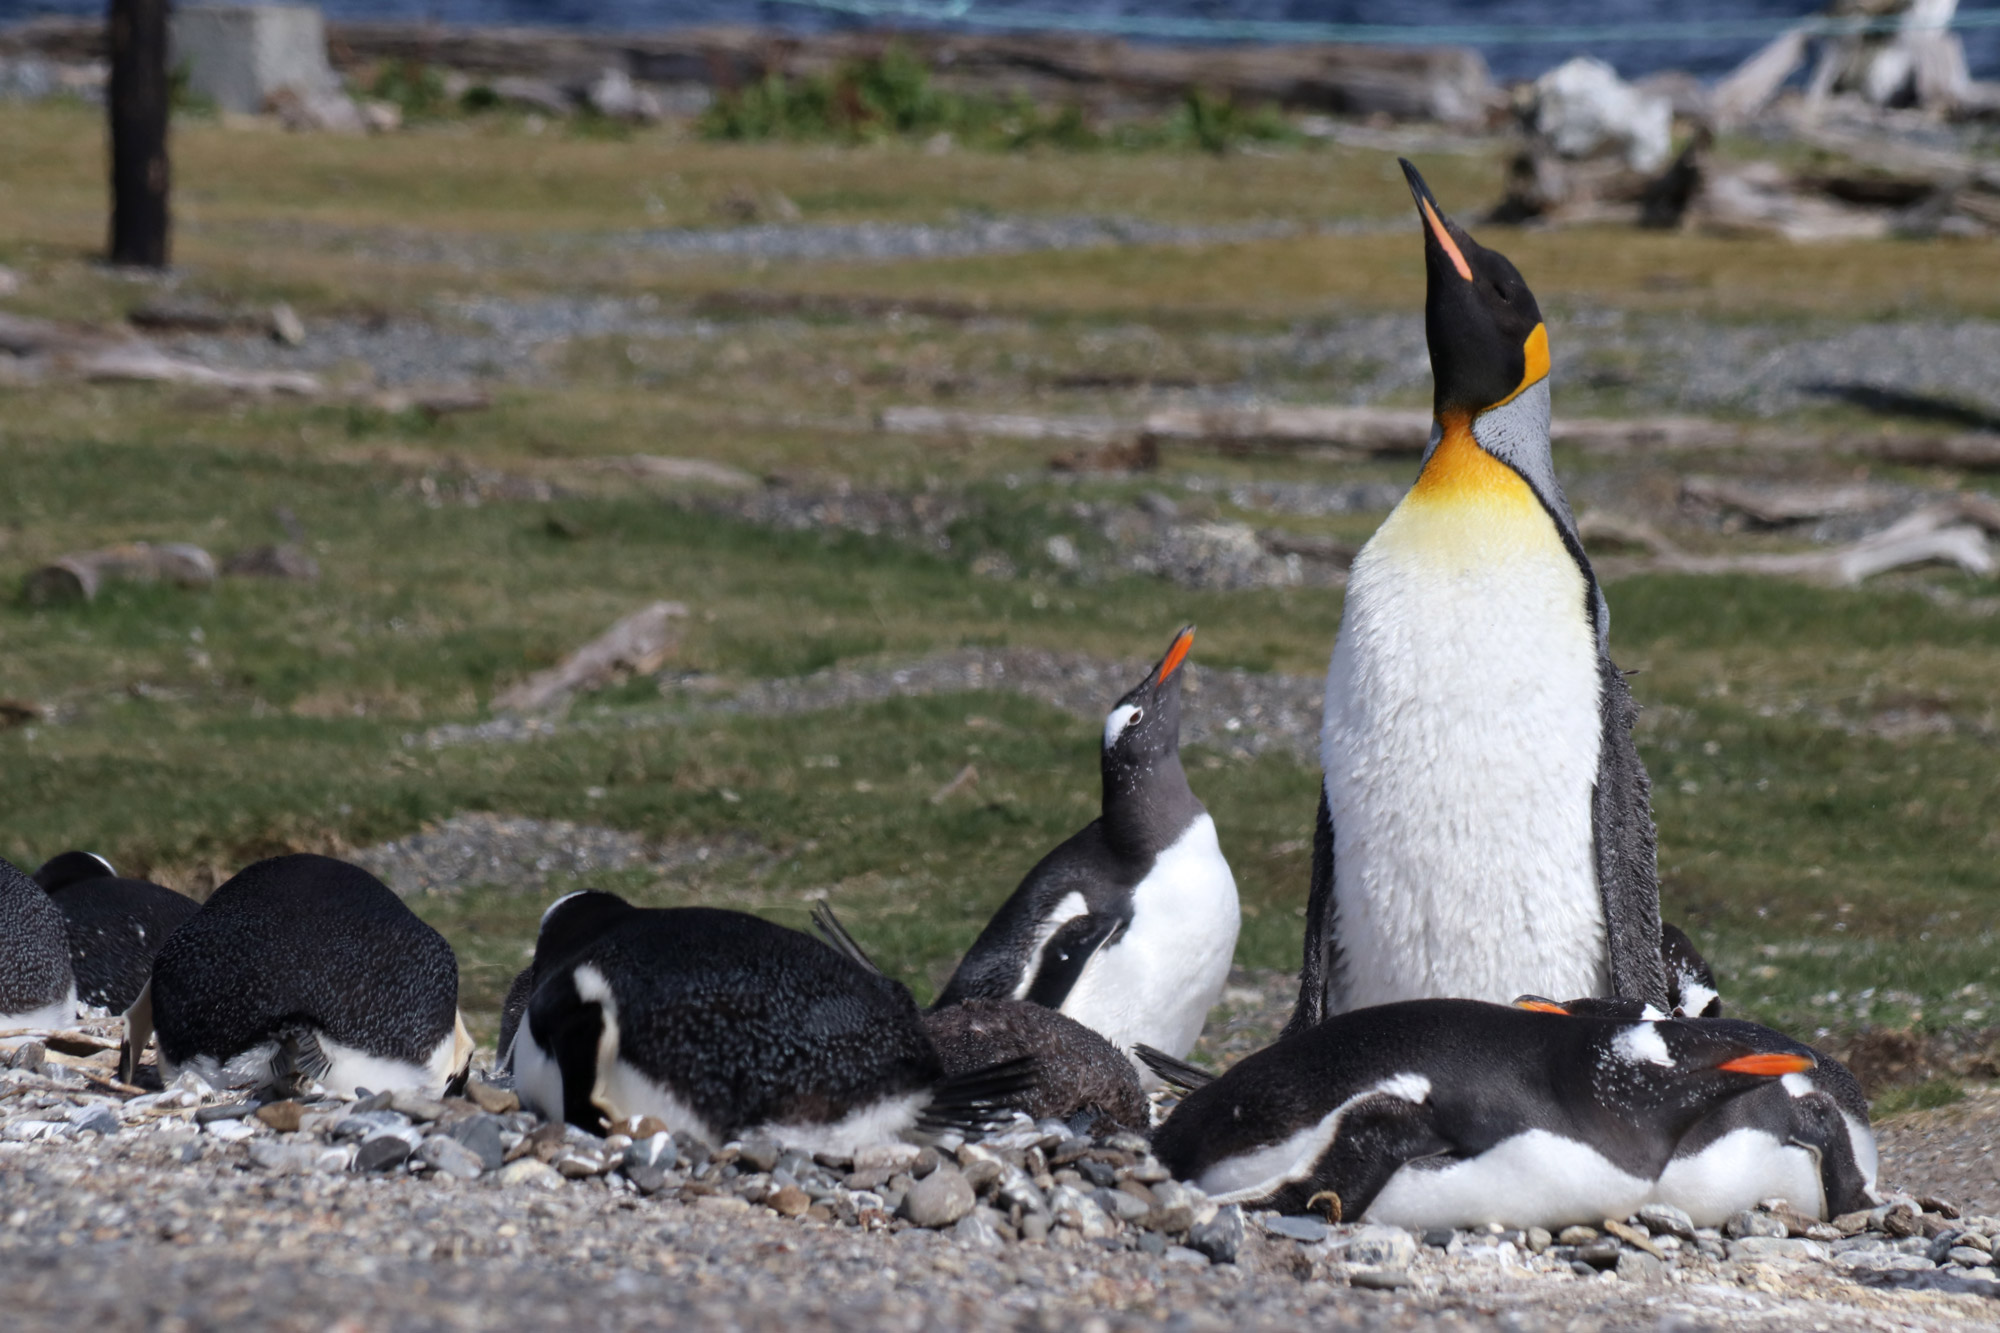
{"x": 744, "y": 1021}
{"x": 304, "y": 941}
{"x": 37, "y": 986}
{"x": 1451, "y": 1080}
{"x": 116, "y": 926}
{"x": 1081, "y": 899}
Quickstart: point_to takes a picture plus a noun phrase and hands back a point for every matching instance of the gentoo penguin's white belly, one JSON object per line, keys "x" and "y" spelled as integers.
{"x": 1156, "y": 982}
{"x": 1736, "y": 1172}
{"x": 1534, "y": 1179}
{"x": 60, "y": 1014}
{"x": 1461, "y": 749}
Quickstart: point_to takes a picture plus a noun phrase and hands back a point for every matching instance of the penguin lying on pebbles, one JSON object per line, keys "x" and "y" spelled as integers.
{"x": 116, "y": 926}
{"x": 1129, "y": 926}
{"x": 1079, "y": 1076}
{"x": 1485, "y": 822}
{"x": 722, "y": 1024}
{"x": 1459, "y": 1113}
{"x": 303, "y": 969}
{"x": 37, "y": 987}
{"x": 1804, "y": 1138}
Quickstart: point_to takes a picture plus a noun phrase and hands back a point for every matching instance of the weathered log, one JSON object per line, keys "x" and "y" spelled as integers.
{"x": 686, "y": 471}
{"x": 1933, "y": 534}
{"x": 40, "y": 347}
{"x": 79, "y": 577}
{"x": 1974, "y": 451}
{"x": 639, "y": 643}
{"x": 1776, "y": 504}
{"x": 282, "y": 561}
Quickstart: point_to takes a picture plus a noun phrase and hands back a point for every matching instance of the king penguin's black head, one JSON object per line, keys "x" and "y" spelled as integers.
{"x": 1485, "y": 331}
{"x": 1145, "y": 727}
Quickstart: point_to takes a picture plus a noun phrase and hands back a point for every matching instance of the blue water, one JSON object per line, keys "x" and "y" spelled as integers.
{"x": 1707, "y": 56}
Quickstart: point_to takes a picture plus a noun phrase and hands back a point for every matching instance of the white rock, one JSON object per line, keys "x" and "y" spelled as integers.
{"x": 528, "y": 1171}
{"x": 1384, "y": 1247}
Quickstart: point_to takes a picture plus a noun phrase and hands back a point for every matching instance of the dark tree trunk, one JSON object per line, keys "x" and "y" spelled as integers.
{"x": 138, "y": 100}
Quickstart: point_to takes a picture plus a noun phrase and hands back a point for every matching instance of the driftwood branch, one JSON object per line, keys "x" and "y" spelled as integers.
{"x": 1938, "y": 533}
{"x": 77, "y": 578}
{"x": 639, "y": 643}
{"x": 40, "y": 348}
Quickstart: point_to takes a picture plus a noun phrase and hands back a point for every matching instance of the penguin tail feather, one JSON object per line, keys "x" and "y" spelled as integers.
{"x": 1179, "y": 1073}
{"x": 300, "y": 1061}
{"x": 835, "y": 934}
{"x": 979, "y": 1100}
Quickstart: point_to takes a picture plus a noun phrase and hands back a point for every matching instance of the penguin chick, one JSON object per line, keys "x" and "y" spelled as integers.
{"x": 1130, "y": 925}
{"x": 37, "y": 985}
{"x": 722, "y": 1024}
{"x": 1804, "y": 1138}
{"x": 1461, "y": 1113}
{"x": 1077, "y": 1072}
{"x": 303, "y": 969}
{"x": 1485, "y": 821}
{"x": 115, "y": 925}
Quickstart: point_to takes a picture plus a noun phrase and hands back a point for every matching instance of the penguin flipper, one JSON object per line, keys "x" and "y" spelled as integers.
{"x": 977, "y": 1100}
{"x": 1378, "y": 1137}
{"x": 1626, "y": 846}
{"x": 513, "y": 1011}
{"x": 1067, "y": 953}
{"x": 1187, "y": 1077}
{"x": 1321, "y": 963}
{"x": 835, "y": 934}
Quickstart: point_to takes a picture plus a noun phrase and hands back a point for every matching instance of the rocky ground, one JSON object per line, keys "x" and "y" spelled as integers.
{"x": 177, "y": 1209}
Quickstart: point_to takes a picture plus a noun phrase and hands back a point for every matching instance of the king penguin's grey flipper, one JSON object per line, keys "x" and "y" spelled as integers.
{"x": 1321, "y": 964}
{"x": 1627, "y": 854}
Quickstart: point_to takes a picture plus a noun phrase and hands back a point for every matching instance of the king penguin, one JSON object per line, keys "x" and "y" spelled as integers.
{"x": 37, "y": 987}
{"x": 116, "y": 925}
{"x": 299, "y": 970}
{"x": 1130, "y": 925}
{"x": 1432, "y": 1113}
{"x": 1484, "y": 823}
{"x": 723, "y": 1024}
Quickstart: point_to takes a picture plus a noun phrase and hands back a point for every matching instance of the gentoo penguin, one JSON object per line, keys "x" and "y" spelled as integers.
{"x": 37, "y": 987}
{"x": 1129, "y": 926}
{"x": 1079, "y": 1077}
{"x": 303, "y": 969}
{"x": 1804, "y": 1138}
{"x": 1460, "y": 1113}
{"x": 116, "y": 925}
{"x": 722, "y": 1024}
{"x": 1484, "y": 823}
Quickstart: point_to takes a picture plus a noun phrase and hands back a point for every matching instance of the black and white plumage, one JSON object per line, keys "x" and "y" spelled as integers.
{"x": 116, "y": 926}
{"x": 303, "y": 969}
{"x": 1484, "y": 821}
{"x": 1130, "y": 925}
{"x": 1804, "y": 1137}
{"x": 720, "y": 1024}
{"x": 1461, "y": 1113}
{"x": 37, "y": 986}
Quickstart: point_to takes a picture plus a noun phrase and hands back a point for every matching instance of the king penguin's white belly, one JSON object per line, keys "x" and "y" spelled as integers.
{"x": 1460, "y": 749}
{"x": 1156, "y": 983}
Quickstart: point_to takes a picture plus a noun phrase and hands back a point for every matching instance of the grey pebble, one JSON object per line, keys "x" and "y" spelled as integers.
{"x": 1221, "y": 1237}
{"x": 1381, "y": 1247}
{"x": 385, "y": 1150}
{"x": 1663, "y": 1219}
{"x": 480, "y": 1134}
{"x": 1754, "y": 1224}
{"x": 1379, "y": 1279}
{"x": 443, "y": 1153}
{"x": 1307, "y": 1230}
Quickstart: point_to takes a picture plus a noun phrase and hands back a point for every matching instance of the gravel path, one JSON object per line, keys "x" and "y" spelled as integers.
{"x": 1955, "y": 1150}
{"x": 526, "y": 854}
{"x": 1243, "y": 712}
{"x": 879, "y": 241}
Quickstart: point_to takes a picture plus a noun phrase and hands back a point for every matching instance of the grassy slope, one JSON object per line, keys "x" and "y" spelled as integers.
{"x": 200, "y": 729}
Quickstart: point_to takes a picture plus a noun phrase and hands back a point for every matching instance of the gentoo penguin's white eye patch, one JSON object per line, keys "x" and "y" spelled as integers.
{"x": 1121, "y": 717}
{"x": 1642, "y": 1044}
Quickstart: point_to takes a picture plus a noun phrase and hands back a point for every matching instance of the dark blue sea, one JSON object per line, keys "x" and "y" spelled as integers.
{"x": 1520, "y": 38}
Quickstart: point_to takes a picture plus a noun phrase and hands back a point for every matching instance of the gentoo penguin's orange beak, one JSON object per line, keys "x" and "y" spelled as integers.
{"x": 1177, "y": 653}
{"x": 1773, "y": 1065}
{"x": 1537, "y": 1005}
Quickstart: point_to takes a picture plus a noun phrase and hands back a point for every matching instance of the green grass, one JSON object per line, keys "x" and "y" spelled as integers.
{"x": 1932, "y": 1095}
{"x": 1838, "y": 873}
